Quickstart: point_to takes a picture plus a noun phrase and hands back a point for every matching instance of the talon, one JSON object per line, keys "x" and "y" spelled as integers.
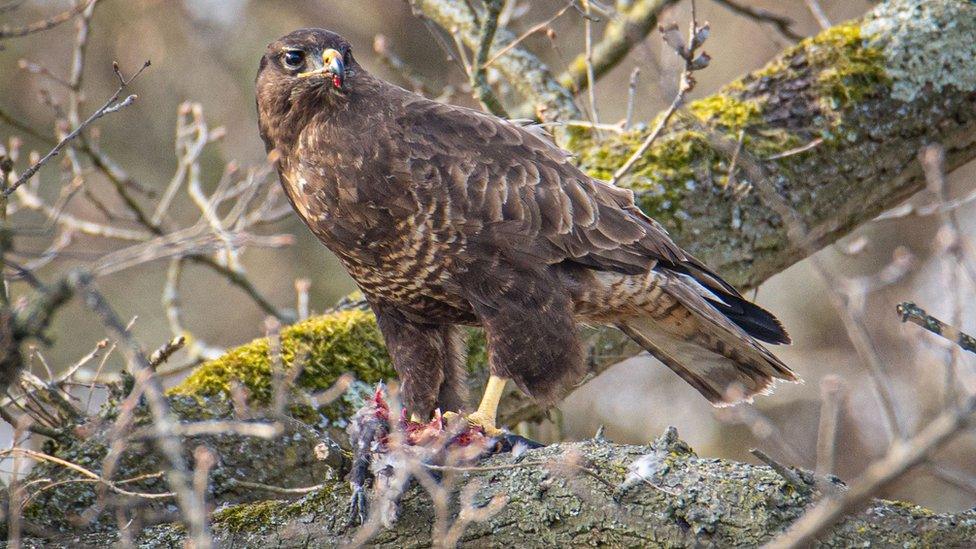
{"x": 358, "y": 506}
{"x": 485, "y": 422}
{"x": 477, "y": 419}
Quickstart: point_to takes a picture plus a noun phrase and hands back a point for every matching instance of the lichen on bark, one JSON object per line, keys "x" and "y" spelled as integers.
{"x": 836, "y": 123}
{"x": 61, "y": 500}
{"x": 841, "y": 94}
{"x": 661, "y": 494}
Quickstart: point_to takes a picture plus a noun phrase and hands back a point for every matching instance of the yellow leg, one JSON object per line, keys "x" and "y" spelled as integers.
{"x": 415, "y": 418}
{"x": 488, "y": 409}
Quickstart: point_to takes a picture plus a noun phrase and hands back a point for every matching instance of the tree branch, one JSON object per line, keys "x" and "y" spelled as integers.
{"x": 623, "y": 31}
{"x": 658, "y": 495}
{"x": 522, "y": 69}
{"x": 903, "y": 455}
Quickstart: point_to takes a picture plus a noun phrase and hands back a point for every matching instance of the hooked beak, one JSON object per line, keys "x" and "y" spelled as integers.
{"x": 332, "y": 65}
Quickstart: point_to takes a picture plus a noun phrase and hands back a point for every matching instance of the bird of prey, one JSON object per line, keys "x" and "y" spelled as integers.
{"x": 447, "y": 216}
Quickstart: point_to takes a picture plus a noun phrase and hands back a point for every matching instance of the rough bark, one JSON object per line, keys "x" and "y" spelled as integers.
{"x": 660, "y": 495}
{"x": 871, "y": 92}
{"x": 835, "y": 124}
{"x": 850, "y": 109}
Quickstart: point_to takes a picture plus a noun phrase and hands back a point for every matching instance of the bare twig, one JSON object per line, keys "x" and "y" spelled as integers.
{"x": 538, "y": 27}
{"x": 275, "y": 489}
{"x": 588, "y": 62}
{"x": 831, "y": 395}
{"x": 631, "y": 97}
{"x": 110, "y": 106}
{"x": 113, "y": 486}
{"x": 302, "y": 286}
{"x": 901, "y": 456}
{"x": 32, "y": 426}
{"x": 851, "y": 316}
{"x": 693, "y": 62}
{"x": 479, "y": 71}
{"x": 782, "y": 24}
{"x": 818, "y": 13}
{"x": 623, "y": 31}
{"x": 788, "y": 475}
{"x": 178, "y": 475}
{"x": 44, "y": 24}
{"x": 910, "y": 312}
{"x": 798, "y": 150}
{"x": 162, "y": 354}
{"x": 523, "y": 70}
{"x": 932, "y": 159}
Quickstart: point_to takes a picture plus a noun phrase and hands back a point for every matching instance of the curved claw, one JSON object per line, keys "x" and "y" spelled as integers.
{"x": 506, "y": 442}
{"x": 358, "y": 507}
{"x": 477, "y": 419}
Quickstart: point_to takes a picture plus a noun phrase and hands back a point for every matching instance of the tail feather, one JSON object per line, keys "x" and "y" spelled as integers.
{"x": 756, "y": 321}
{"x": 723, "y": 381}
{"x": 709, "y": 349}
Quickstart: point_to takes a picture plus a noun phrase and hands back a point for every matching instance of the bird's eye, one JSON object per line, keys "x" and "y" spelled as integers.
{"x": 347, "y": 56}
{"x": 293, "y": 59}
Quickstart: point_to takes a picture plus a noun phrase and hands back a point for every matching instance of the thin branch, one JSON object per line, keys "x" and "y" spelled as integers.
{"x": 479, "y": 69}
{"x": 109, "y": 107}
{"x": 801, "y": 149}
{"x": 631, "y": 97}
{"x": 818, "y": 13}
{"x": 275, "y": 489}
{"x": 178, "y": 475}
{"x": 831, "y": 395}
{"x": 532, "y": 30}
{"x": 853, "y": 318}
{"x": 34, "y": 426}
{"x": 782, "y": 24}
{"x": 911, "y": 312}
{"x": 546, "y": 99}
{"x": 113, "y": 486}
{"x": 693, "y": 62}
{"x": 788, "y": 475}
{"x": 623, "y": 31}
{"x": 162, "y": 354}
{"x": 44, "y": 24}
{"x": 902, "y": 456}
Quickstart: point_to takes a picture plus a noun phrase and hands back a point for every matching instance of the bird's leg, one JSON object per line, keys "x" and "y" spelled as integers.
{"x": 487, "y": 411}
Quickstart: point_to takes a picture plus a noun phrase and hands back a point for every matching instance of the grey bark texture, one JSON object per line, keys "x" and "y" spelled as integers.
{"x": 577, "y": 494}
{"x": 835, "y": 125}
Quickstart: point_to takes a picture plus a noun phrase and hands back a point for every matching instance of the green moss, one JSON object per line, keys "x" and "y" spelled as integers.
{"x": 670, "y": 163}
{"x": 477, "y": 349}
{"x": 326, "y": 347}
{"x": 725, "y": 110}
{"x": 846, "y": 68}
{"x": 263, "y": 516}
{"x": 852, "y": 69}
{"x": 911, "y": 508}
{"x": 250, "y": 517}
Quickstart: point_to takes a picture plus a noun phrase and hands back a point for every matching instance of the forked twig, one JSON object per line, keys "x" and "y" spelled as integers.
{"x": 108, "y": 107}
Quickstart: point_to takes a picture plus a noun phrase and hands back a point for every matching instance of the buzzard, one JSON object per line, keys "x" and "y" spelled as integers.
{"x": 447, "y": 216}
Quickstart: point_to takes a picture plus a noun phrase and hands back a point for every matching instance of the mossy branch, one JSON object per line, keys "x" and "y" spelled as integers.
{"x": 583, "y": 493}
{"x": 836, "y": 122}
{"x": 624, "y": 30}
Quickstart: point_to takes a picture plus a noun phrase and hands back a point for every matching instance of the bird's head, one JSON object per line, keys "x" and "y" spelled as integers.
{"x": 306, "y": 70}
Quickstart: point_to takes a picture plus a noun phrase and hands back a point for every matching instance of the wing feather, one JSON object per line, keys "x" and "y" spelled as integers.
{"x": 523, "y": 198}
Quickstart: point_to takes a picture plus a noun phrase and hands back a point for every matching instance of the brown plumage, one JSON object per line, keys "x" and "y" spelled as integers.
{"x": 448, "y": 216}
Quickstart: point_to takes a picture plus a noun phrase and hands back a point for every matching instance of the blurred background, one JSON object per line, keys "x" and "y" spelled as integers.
{"x": 207, "y": 51}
